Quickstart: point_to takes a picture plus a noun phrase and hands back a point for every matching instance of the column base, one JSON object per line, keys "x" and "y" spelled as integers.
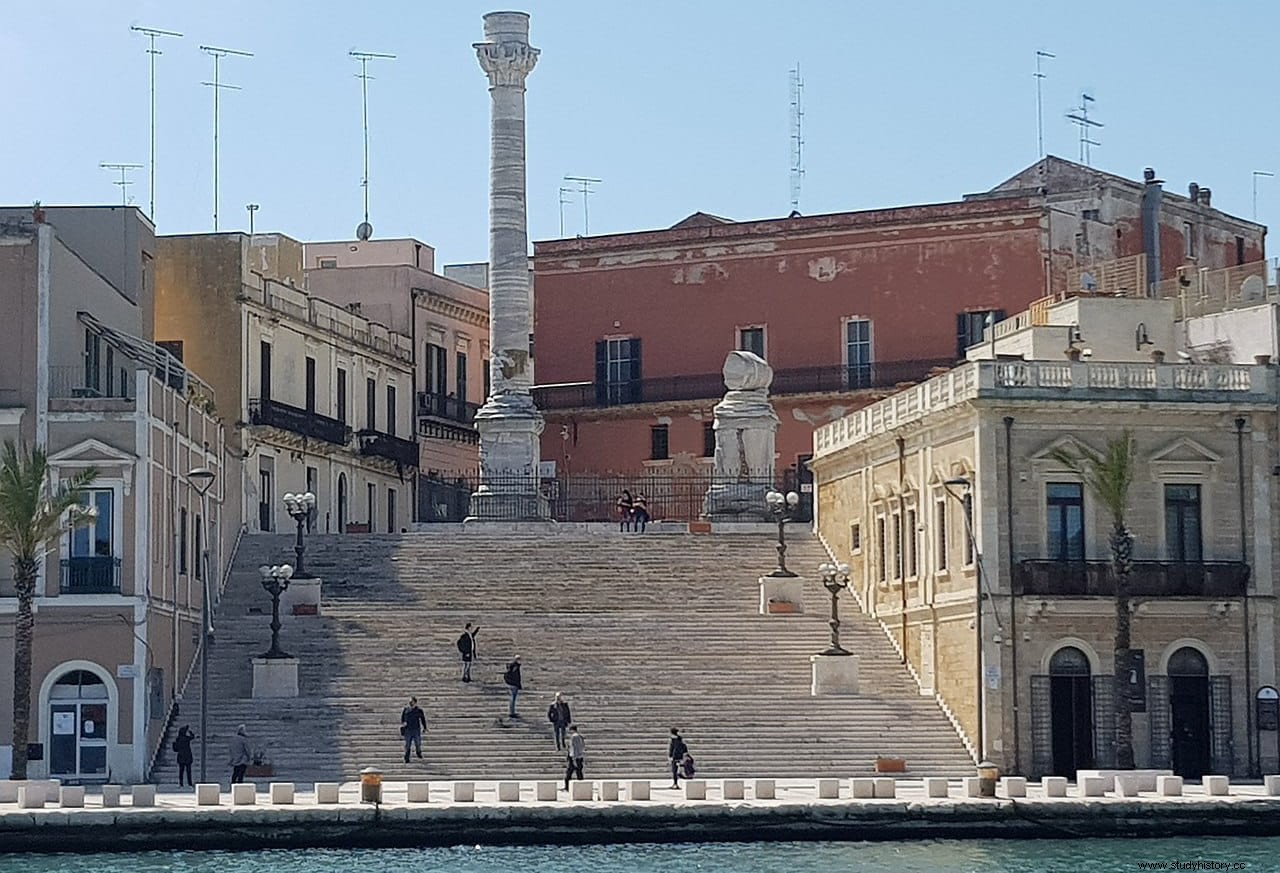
{"x": 507, "y": 506}
{"x": 735, "y": 500}
{"x": 275, "y": 677}
{"x": 834, "y": 674}
{"x": 781, "y": 595}
{"x": 302, "y": 597}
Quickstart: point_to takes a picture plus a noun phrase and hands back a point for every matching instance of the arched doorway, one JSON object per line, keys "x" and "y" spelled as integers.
{"x": 342, "y": 503}
{"x": 1071, "y": 709}
{"x": 78, "y": 702}
{"x": 1189, "y": 712}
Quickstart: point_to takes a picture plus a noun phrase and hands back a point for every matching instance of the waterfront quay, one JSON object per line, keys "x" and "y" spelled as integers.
{"x": 511, "y": 813}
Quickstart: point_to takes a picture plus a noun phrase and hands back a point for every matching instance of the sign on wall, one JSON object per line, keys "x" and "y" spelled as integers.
{"x": 1268, "y": 703}
{"x": 1137, "y": 680}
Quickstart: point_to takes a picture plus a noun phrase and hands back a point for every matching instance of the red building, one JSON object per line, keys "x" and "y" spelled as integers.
{"x": 631, "y": 329}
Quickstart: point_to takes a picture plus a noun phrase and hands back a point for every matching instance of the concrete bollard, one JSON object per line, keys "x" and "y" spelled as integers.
{"x": 828, "y": 789}
{"x": 765, "y": 789}
{"x": 546, "y": 791}
{"x": 327, "y": 792}
{"x": 1092, "y": 786}
{"x": 9, "y": 790}
{"x": 31, "y": 797}
{"x": 72, "y": 797}
{"x": 1054, "y": 786}
{"x": 886, "y": 788}
{"x": 1126, "y": 784}
{"x": 1216, "y": 786}
{"x": 508, "y": 792}
{"x": 863, "y": 789}
{"x": 733, "y": 789}
{"x": 208, "y": 794}
{"x": 142, "y": 795}
{"x": 582, "y": 790}
{"x": 1014, "y": 786}
{"x": 281, "y": 793}
{"x": 638, "y": 790}
{"x": 935, "y": 787}
{"x": 110, "y": 796}
{"x": 464, "y": 792}
{"x": 695, "y": 789}
{"x": 972, "y": 787}
{"x": 244, "y": 794}
{"x": 1171, "y": 786}
{"x": 609, "y": 790}
{"x": 418, "y": 792}
{"x": 1272, "y": 785}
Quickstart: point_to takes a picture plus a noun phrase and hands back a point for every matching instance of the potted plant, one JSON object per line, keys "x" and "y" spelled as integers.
{"x": 887, "y": 764}
{"x": 261, "y": 765}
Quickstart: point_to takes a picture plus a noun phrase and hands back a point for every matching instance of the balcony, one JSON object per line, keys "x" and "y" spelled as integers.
{"x": 446, "y": 408}
{"x": 383, "y": 445}
{"x": 90, "y": 575}
{"x": 836, "y": 378}
{"x": 1148, "y": 579}
{"x": 309, "y": 425}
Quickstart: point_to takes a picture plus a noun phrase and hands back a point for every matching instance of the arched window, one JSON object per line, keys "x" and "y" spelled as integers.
{"x": 1188, "y": 662}
{"x": 1069, "y": 661}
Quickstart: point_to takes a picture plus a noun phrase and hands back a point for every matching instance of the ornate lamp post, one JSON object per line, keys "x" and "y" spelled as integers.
{"x": 781, "y": 509}
{"x": 299, "y": 507}
{"x": 201, "y": 479}
{"x": 835, "y": 577}
{"x": 276, "y": 581}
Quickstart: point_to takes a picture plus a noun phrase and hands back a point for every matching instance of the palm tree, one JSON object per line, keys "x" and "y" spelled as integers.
{"x": 31, "y": 520}
{"x": 1108, "y": 476}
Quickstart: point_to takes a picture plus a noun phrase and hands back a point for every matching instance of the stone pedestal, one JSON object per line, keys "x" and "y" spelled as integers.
{"x": 834, "y": 674}
{"x": 275, "y": 677}
{"x": 781, "y": 595}
{"x": 745, "y": 425}
{"x": 302, "y": 597}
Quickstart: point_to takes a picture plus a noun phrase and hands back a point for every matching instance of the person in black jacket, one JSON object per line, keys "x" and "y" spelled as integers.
{"x": 412, "y": 724}
{"x": 676, "y": 750}
{"x": 559, "y": 717}
{"x": 182, "y": 745}
{"x": 512, "y": 680}
{"x": 467, "y": 648}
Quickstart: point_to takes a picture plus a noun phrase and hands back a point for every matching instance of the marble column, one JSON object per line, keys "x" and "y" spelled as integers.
{"x": 509, "y": 423}
{"x": 745, "y": 426}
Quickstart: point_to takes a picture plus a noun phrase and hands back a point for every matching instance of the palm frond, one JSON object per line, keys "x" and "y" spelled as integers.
{"x": 32, "y": 513}
{"x": 1108, "y": 475}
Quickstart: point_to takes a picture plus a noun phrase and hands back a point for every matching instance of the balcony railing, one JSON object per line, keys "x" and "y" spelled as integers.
{"x": 447, "y": 408}
{"x": 312, "y": 425}
{"x": 1147, "y": 579}
{"x": 93, "y": 574}
{"x": 705, "y": 386}
{"x": 383, "y": 445}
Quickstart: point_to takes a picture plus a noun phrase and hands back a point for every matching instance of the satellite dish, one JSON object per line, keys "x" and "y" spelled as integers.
{"x": 364, "y": 230}
{"x": 1253, "y": 288}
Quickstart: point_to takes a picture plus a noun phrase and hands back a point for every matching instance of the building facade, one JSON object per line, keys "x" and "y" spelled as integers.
{"x": 118, "y": 603}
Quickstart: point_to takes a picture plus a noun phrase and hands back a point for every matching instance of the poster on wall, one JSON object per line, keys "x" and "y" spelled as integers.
{"x": 64, "y": 724}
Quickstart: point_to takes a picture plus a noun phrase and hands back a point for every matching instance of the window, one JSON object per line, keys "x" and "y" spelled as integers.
{"x": 855, "y": 538}
{"x": 1189, "y": 235}
{"x": 92, "y": 362}
{"x": 751, "y": 339}
{"x": 313, "y": 477}
{"x": 913, "y": 540}
{"x": 897, "y": 545}
{"x": 95, "y": 539}
{"x": 460, "y": 377}
{"x": 708, "y": 439}
{"x": 264, "y": 500}
{"x": 971, "y": 326}
{"x": 391, "y": 510}
{"x": 371, "y": 404}
{"x": 182, "y": 541}
{"x": 659, "y": 444}
{"x": 857, "y": 352}
{"x": 967, "y": 503}
{"x": 1239, "y": 250}
{"x": 391, "y": 410}
{"x": 488, "y": 377}
{"x": 1182, "y": 523}
{"x": 328, "y": 263}
{"x": 311, "y": 385}
{"x": 111, "y": 372}
{"x": 1091, "y": 215}
{"x": 437, "y": 369}
{"x": 940, "y": 523}
{"x": 264, "y": 371}
{"x": 342, "y": 396}
{"x": 531, "y": 346}
{"x": 618, "y": 371}
{"x": 1065, "y": 505}
{"x": 198, "y": 536}
{"x": 371, "y": 491}
{"x": 881, "y": 555}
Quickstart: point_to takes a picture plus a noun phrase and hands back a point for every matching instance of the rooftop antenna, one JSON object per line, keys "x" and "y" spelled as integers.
{"x": 1040, "y": 55}
{"x": 365, "y": 230}
{"x": 563, "y": 201}
{"x": 797, "y": 136}
{"x": 124, "y": 181}
{"x": 586, "y": 182}
{"x": 251, "y": 208}
{"x": 1256, "y": 174}
{"x": 1080, "y": 117}
{"x": 217, "y": 85}
{"x": 151, "y": 33}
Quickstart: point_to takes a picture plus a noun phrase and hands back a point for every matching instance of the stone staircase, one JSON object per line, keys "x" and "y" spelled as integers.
{"x": 640, "y": 632}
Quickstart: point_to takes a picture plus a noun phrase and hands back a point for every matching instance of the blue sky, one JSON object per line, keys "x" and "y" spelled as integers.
{"x": 677, "y": 106}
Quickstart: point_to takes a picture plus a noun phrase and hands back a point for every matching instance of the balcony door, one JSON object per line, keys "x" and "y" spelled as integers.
{"x": 92, "y": 559}
{"x": 78, "y": 705}
{"x": 1071, "y": 711}
{"x": 1189, "y": 712}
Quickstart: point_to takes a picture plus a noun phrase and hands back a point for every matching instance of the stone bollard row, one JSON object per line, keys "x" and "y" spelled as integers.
{"x": 1013, "y": 786}
{"x": 281, "y": 793}
{"x": 828, "y": 789}
{"x": 1216, "y": 786}
{"x": 935, "y": 787}
{"x": 208, "y": 794}
{"x": 766, "y": 789}
{"x": 508, "y": 792}
{"x": 1272, "y": 785}
{"x": 244, "y": 794}
{"x": 71, "y": 797}
{"x": 1054, "y": 786}
{"x": 638, "y": 790}
{"x": 327, "y": 792}
{"x": 1169, "y": 786}
{"x": 547, "y": 791}
{"x": 581, "y": 790}
{"x": 608, "y": 790}
{"x": 142, "y": 795}
{"x": 695, "y": 789}
{"x": 733, "y": 789}
{"x": 418, "y": 792}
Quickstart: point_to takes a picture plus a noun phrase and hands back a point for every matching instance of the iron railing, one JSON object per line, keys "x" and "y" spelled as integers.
{"x": 1147, "y": 578}
{"x": 447, "y": 408}
{"x": 383, "y": 445}
{"x": 90, "y": 574}
{"x": 312, "y": 425}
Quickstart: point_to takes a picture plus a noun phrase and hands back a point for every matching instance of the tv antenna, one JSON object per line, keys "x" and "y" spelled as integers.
{"x": 797, "y": 136}
{"x": 586, "y": 182}
{"x": 217, "y": 85}
{"x": 563, "y": 201}
{"x": 124, "y": 181}
{"x": 1040, "y": 55}
{"x": 365, "y": 230}
{"x": 1256, "y": 175}
{"x": 1080, "y": 117}
{"x": 251, "y": 208}
{"x": 151, "y": 33}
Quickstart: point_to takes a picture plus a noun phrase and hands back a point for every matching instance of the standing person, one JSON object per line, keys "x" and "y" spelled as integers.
{"x": 412, "y": 724}
{"x": 512, "y": 680}
{"x": 640, "y": 512}
{"x": 624, "y": 511}
{"x": 559, "y": 717}
{"x": 241, "y": 755}
{"x": 467, "y": 648}
{"x": 676, "y": 751}
{"x": 182, "y": 745}
{"x": 577, "y": 749}
{"x": 475, "y": 646}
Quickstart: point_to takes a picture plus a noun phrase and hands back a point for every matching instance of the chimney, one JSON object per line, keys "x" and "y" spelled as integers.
{"x": 1206, "y": 195}
{"x": 1152, "y": 195}
{"x": 1193, "y": 192}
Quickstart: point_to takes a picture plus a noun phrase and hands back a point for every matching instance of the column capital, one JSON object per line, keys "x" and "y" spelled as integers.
{"x": 506, "y": 63}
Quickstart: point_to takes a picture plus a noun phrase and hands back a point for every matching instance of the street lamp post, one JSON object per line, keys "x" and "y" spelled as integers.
{"x": 300, "y": 507}
{"x": 961, "y": 482}
{"x": 201, "y": 479}
{"x": 276, "y": 581}
{"x": 835, "y": 577}
{"x": 781, "y": 508}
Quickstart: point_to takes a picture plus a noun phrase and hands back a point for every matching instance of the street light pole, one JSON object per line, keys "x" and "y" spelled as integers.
{"x": 201, "y": 478}
{"x": 834, "y": 578}
{"x": 978, "y": 583}
{"x": 276, "y": 581}
{"x": 299, "y": 507}
{"x": 782, "y": 507}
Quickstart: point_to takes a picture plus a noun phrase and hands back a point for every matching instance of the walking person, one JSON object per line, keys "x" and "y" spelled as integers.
{"x": 559, "y": 717}
{"x": 412, "y": 724}
{"x": 182, "y": 745}
{"x": 625, "y": 506}
{"x": 511, "y": 679}
{"x": 241, "y": 755}
{"x": 467, "y": 648}
{"x": 676, "y": 752}
{"x": 640, "y": 512}
{"x": 577, "y": 748}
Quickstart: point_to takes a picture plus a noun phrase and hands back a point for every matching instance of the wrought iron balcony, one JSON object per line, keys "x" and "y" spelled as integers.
{"x": 447, "y": 408}
{"x": 91, "y": 574}
{"x": 310, "y": 425}
{"x": 1148, "y": 579}
{"x": 376, "y": 444}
